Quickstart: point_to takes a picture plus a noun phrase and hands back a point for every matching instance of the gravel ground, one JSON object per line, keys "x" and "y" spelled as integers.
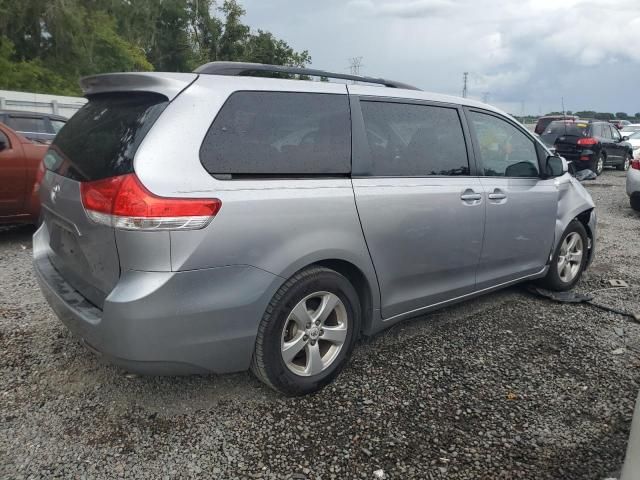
{"x": 506, "y": 386}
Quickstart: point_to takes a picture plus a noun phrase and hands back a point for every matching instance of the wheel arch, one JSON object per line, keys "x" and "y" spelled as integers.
{"x": 360, "y": 283}
{"x": 362, "y": 277}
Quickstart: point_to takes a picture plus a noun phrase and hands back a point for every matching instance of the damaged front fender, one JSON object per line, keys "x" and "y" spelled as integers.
{"x": 574, "y": 202}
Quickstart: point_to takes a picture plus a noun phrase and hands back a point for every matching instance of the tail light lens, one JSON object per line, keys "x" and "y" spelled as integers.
{"x": 587, "y": 142}
{"x": 123, "y": 202}
{"x": 39, "y": 176}
{"x": 635, "y": 164}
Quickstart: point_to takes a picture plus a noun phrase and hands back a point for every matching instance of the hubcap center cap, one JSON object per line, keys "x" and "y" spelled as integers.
{"x": 314, "y": 333}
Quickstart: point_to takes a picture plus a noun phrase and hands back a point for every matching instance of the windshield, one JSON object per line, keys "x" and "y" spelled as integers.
{"x": 635, "y": 136}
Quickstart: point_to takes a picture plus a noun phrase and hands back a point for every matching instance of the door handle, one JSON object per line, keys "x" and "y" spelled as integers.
{"x": 470, "y": 196}
{"x": 497, "y": 196}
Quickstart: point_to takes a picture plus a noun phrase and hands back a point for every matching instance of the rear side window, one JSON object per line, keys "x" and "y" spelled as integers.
{"x": 27, "y": 124}
{"x": 279, "y": 133}
{"x": 101, "y": 139}
{"x": 408, "y": 140}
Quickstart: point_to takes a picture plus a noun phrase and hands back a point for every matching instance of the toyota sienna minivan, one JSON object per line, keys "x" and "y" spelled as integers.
{"x": 221, "y": 220}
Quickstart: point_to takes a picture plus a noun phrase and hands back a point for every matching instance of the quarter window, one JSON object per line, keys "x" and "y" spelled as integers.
{"x": 280, "y": 133}
{"x": 505, "y": 151}
{"x": 414, "y": 140}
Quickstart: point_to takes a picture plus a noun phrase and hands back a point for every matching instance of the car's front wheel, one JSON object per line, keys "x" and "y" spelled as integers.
{"x": 569, "y": 259}
{"x": 307, "y": 333}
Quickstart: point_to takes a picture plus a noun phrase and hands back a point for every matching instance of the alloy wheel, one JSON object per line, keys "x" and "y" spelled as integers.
{"x": 570, "y": 258}
{"x": 600, "y": 165}
{"x": 314, "y": 333}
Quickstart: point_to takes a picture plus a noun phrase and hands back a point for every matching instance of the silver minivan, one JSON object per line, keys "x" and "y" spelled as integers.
{"x": 223, "y": 220}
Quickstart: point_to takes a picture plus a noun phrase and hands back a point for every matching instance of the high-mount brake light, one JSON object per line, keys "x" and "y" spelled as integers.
{"x": 123, "y": 202}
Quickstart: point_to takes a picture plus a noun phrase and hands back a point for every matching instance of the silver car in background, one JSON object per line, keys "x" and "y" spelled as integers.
{"x": 220, "y": 221}
{"x": 633, "y": 182}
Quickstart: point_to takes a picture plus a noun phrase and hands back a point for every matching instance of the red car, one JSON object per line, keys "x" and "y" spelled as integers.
{"x": 19, "y": 166}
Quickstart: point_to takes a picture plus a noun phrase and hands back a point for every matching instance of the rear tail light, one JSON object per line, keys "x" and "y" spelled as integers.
{"x": 635, "y": 164}
{"x": 587, "y": 142}
{"x": 39, "y": 176}
{"x": 123, "y": 202}
{"x": 585, "y": 158}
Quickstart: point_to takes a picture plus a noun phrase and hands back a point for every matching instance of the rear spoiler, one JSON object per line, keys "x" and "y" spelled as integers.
{"x": 167, "y": 84}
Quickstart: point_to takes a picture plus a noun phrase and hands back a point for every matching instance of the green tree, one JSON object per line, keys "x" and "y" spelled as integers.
{"x": 604, "y": 116}
{"x": 62, "y": 40}
{"x": 622, "y": 116}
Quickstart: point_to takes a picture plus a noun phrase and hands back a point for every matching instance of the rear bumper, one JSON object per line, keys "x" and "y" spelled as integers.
{"x": 166, "y": 323}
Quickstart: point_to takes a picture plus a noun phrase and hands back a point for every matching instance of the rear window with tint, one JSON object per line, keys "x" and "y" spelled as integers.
{"x": 567, "y": 128}
{"x": 101, "y": 139}
{"x": 279, "y": 133}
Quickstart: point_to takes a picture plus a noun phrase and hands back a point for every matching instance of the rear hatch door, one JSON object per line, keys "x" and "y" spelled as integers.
{"x": 564, "y": 137}
{"x": 98, "y": 142}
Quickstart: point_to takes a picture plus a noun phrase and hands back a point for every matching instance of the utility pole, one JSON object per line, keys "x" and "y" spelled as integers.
{"x": 562, "y": 99}
{"x": 354, "y": 65}
{"x": 485, "y": 97}
{"x": 465, "y": 79}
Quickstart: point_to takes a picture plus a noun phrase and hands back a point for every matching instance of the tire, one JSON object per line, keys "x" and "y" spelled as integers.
{"x": 306, "y": 293}
{"x": 560, "y": 280}
{"x": 598, "y": 165}
{"x": 634, "y": 201}
{"x": 624, "y": 166}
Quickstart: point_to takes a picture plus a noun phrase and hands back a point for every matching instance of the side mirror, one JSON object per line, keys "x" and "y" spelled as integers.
{"x": 3, "y": 145}
{"x": 625, "y": 138}
{"x": 556, "y": 166}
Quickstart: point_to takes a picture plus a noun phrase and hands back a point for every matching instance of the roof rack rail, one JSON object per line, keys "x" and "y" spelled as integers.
{"x": 246, "y": 69}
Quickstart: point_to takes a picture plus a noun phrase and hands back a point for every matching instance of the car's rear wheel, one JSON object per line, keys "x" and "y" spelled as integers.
{"x": 599, "y": 164}
{"x": 307, "y": 333}
{"x": 634, "y": 200}
{"x": 569, "y": 260}
{"x": 624, "y": 166}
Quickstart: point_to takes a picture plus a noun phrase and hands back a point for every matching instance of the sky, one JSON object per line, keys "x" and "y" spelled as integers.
{"x": 524, "y": 55}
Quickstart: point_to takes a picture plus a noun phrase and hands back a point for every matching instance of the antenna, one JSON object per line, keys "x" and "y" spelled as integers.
{"x": 563, "y": 114}
{"x": 465, "y": 79}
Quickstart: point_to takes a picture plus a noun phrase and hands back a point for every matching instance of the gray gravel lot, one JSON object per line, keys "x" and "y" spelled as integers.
{"x": 506, "y": 386}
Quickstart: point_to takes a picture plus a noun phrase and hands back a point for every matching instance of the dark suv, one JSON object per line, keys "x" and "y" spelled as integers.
{"x": 37, "y": 127}
{"x": 589, "y": 144}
